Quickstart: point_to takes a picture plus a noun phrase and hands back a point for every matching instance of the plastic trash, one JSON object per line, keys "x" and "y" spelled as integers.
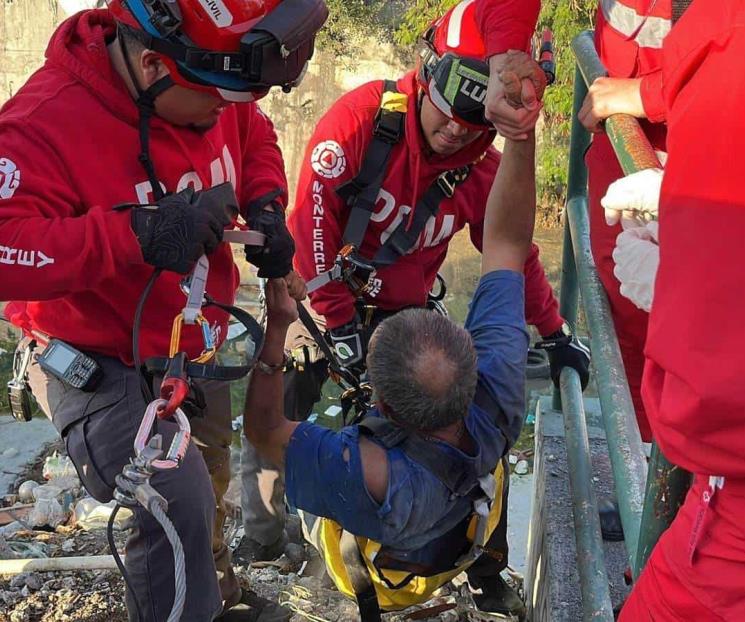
{"x": 522, "y": 468}
{"x": 46, "y": 512}
{"x": 90, "y": 514}
{"x": 58, "y": 466}
{"x": 47, "y": 491}
{"x": 26, "y": 491}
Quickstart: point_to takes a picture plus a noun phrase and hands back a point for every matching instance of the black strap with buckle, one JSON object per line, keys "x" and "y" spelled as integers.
{"x": 361, "y": 192}
{"x": 157, "y": 365}
{"x": 404, "y": 237}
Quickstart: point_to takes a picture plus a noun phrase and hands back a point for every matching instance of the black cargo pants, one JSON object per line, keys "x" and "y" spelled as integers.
{"x": 99, "y": 429}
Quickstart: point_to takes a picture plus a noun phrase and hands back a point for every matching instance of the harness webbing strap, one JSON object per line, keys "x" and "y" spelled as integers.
{"x": 679, "y": 7}
{"x": 359, "y": 577}
{"x": 403, "y": 238}
{"x": 212, "y": 371}
{"x": 361, "y": 193}
{"x": 455, "y": 474}
{"x": 320, "y": 340}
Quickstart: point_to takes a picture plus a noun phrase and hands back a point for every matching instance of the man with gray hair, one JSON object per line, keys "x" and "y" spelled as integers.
{"x": 408, "y": 498}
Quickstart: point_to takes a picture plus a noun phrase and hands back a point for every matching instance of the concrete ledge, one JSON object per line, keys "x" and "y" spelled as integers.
{"x": 552, "y": 580}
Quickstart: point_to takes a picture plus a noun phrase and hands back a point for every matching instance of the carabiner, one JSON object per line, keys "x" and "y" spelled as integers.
{"x": 175, "y": 385}
{"x": 209, "y": 345}
{"x": 179, "y": 444}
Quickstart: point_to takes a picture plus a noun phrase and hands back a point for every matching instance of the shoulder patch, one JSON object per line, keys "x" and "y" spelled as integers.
{"x": 10, "y": 178}
{"x": 328, "y": 159}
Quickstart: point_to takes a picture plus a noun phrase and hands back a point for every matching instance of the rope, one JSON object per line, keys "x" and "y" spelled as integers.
{"x": 179, "y": 563}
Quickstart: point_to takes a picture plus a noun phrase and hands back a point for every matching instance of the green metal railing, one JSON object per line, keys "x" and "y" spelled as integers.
{"x": 647, "y": 504}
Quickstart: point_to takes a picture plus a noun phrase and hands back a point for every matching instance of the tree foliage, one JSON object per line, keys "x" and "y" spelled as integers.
{"x": 349, "y": 23}
{"x": 417, "y": 16}
{"x": 566, "y": 19}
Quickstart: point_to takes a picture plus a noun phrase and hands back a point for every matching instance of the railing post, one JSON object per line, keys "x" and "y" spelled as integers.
{"x": 596, "y": 601}
{"x": 576, "y": 186}
{"x": 667, "y": 486}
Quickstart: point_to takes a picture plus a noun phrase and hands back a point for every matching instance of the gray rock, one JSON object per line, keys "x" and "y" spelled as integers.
{"x": 19, "y": 580}
{"x": 33, "y": 581}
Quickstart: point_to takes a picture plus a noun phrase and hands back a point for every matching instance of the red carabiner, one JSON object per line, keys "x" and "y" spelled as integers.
{"x": 175, "y": 386}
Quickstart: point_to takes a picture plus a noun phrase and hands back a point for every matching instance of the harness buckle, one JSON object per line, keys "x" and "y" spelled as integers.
{"x": 446, "y": 184}
{"x": 388, "y": 125}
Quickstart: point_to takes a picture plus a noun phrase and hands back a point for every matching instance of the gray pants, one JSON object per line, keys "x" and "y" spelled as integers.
{"x": 99, "y": 429}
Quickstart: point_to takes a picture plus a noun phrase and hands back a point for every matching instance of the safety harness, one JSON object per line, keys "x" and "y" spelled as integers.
{"x": 361, "y": 194}
{"x": 380, "y": 578}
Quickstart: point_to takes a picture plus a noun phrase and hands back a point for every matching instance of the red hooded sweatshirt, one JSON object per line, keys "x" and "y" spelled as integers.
{"x": 693, "y": 381}
{"x": 334, "y": 155}
{"x": 69, "y": 143}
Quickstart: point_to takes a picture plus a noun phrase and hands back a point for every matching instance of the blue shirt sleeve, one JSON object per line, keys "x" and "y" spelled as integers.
{"x": 323, "y": 476}
{"x": 496, "y": 321}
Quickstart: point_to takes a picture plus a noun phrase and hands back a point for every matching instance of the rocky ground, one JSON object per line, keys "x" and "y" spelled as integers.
{"x": 92, "y": 596}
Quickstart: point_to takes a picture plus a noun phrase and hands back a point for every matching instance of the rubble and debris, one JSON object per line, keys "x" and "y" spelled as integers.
{"x": 33, "y": 593}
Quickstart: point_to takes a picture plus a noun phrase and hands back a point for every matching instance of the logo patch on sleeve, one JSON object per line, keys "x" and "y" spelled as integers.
{"x": 328, "y": 159}
{"x": 10, "y": 178}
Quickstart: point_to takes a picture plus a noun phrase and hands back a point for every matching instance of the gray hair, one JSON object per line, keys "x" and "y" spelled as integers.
{"x": 423, "y": 367}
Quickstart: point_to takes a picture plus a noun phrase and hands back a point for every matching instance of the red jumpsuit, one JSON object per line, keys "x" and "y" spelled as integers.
{"x": 693, "y": 386}
{"x": 628, "y": 37}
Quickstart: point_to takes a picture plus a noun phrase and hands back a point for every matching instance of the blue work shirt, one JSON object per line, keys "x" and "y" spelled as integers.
{"x": 323, "y": 472}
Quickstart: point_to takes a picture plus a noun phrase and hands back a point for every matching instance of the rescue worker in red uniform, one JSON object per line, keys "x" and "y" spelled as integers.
{"x": 628, "y": 37}
{"x": 436, "y": 140}
{"x": 693, "y": 387}
{"x": 147, "y": 107}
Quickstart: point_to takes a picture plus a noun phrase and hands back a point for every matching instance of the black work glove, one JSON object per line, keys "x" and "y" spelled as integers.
{"x": 274, "y": 259}
{"x": 350, "y": 346}
{"x": 179, "y": 228}
{"x": 565, "y": 350}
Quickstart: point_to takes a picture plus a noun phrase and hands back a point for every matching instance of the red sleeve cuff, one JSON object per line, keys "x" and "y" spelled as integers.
{"x": 652, "y": 99}
{"x": 551, "y": 325}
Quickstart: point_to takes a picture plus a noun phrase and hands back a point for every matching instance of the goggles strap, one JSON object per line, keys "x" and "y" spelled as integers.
{"x": 146, "y": 106}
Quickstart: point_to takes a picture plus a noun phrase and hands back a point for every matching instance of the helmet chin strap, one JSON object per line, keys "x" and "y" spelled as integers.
{"x": 146, "y": 105}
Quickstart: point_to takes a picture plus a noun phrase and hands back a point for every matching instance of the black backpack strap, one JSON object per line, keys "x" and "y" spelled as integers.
{"x": 361, "y": 192}
{"x": 404, "y": 237}
{"x": 359, "y": 577}
{"x": 455, "y": 474}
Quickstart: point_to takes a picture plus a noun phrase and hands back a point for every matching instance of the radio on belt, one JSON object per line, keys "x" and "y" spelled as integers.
{"x": 70, "y": 365}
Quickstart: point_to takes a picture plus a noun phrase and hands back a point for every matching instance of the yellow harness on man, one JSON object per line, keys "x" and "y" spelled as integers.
{"x": 364, "y": 570}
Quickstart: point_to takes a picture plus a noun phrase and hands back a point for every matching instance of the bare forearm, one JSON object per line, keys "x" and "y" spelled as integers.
{"x": 263, "y": 417}
{"x": 510, "y": 209}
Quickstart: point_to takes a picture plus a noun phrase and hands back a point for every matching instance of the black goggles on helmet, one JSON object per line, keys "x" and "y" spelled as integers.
{"x": 457, "y": 87}
{"x": 275, "y": 52}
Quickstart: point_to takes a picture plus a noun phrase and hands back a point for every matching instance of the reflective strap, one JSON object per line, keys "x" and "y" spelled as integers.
{"x": 645, "y": 30}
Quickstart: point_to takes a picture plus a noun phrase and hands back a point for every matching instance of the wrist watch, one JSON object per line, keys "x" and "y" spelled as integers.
{"x": 266, "y": 368}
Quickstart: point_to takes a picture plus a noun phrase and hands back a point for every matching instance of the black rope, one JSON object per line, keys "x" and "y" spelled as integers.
{"x": 118, "y": 560}
{"x": 145, "y": 388}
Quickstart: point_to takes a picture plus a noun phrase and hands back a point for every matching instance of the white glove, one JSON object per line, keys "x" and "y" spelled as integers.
{"x": 635, "y": 198}
{"x": 637, "y": 256}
